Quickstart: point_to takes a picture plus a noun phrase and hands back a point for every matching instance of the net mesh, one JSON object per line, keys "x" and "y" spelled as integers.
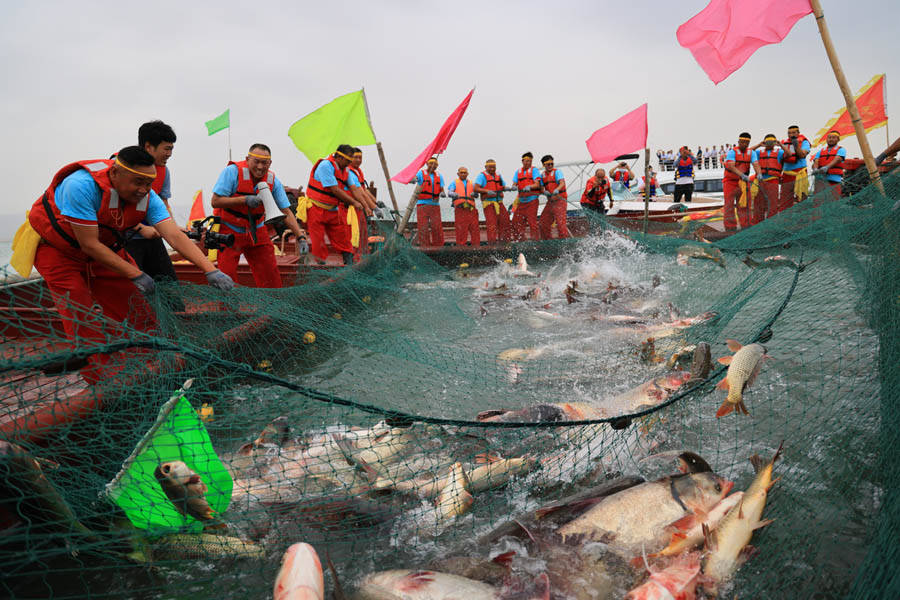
{"x": 343, "y": 411}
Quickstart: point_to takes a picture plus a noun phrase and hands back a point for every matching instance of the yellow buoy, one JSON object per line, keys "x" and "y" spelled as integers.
{"x": 309, "y": 337}
{"x": 507, "y": 261}
{"x": 206, "y": 412}
{"x": 336, "y": 315}
{"x": 264, "y": 365}
{"x": 367, "y": 299}
{"x": 464, "y": 266}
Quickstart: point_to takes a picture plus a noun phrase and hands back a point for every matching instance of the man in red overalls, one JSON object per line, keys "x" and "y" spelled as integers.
{"x": 557, "y": 201}
{"x": 236, "y": 203}
{"x": 490, "y": 185}
{"x": 736, "y": 183}
{"x": 527, "y": 181}
{"x": 81, "y": 220}
{"x": 465, "y": 211}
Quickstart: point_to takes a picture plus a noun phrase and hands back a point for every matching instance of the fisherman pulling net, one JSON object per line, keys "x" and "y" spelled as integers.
{"x": 531, "y": 429}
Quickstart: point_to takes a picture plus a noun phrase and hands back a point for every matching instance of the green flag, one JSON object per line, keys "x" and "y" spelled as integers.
{"x": 344, "y": 120}
{"x": 178, "y": 434}
{"x": 221, "y": 122}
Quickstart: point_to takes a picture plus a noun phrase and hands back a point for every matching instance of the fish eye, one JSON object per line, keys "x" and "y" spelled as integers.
{"x": 718, "y": 487}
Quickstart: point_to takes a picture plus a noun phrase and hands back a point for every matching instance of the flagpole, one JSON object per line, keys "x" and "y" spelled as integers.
{"x": 384, "y": 167}
{"x": 646, "y": 188}
{"x": 887, "y": 131}
{"x": 228, "y": 138}
{"x": 848, "y": 95}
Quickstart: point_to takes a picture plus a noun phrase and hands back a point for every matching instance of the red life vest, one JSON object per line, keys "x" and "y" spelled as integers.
{"x": 466, "y": 191}
{"x": 523, "y": 181}
{"x": 684, "y": 167}
{"x": 653, "y": 183}
{"x": 741, "y": 163}
{"x": 245, "y": 217}
{"x": 157, "y": 184}
{"x": 769, "y": 163}
{"x": 316, "y": 192}
{"x": 550, "y": 183}
{"x": 430, "y": 190}
{"x": 493, "y": 183}
{"x": 359, "y": 174}
{"x": 113, "y": 217}
{"x": 622, "y": 175}
{"x": 791, "y": 158}
{"x": 826, "y": 155}
{"x": 594, "y": 191}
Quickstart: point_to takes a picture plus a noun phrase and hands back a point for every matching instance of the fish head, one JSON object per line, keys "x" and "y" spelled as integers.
{"x": 276, "y": 432}
{"x": 522, "y": 263}
{"x": 701, "y": 491}
{"x": 300, "y": 576}
{"x": 176, "y": 472}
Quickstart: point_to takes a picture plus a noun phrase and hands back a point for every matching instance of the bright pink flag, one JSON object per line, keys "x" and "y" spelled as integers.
{"x": 438, "y": 145}
{"x": 724, "y": 34}
{"x": 626, "y": 135}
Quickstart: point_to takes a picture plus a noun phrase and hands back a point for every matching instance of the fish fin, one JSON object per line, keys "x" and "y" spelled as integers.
{"x": 726, "y": 408}
{"x": 487, "y": 414}
{"x": 763, "y": 523}
{"x": 746, "y": 553}
{"x": 338, "y": 590}
{"x": 778, "y": 452}
{"x": 505, "y": 559}
{"x": 741, "y": 509}
{"x": 757, "y": 463}
{"x": 774, "y": 481}
{"x": 723, "y": 385}
{"x": 743, "y": 408}
{"x": 725, "y": 360}
{"x": 733, "y": 345}
{"x": 683, "y": 524}
{"x": 709, "y": 543}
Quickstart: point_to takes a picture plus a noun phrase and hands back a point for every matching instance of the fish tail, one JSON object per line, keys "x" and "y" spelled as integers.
{"x": 726, "y": 408}
{"x": 743, "y": 408}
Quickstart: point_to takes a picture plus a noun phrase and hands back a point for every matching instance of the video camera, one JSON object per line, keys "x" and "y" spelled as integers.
{"x": 212, "y": 240}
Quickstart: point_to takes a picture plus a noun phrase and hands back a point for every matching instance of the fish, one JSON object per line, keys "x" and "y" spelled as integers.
{"x": 300, "y": 576}
{"x": 678, "y": 581}
{"x": 514, "y": 354}
{"x": 405, "y": 584}
{"x": 32, "y": 497}
{"x": 480, "y": 478}
{"x": 772, "y": 262}
{"x": 728, "y": 545}
{"x": 185, "y": 489}
{"x": 646, "y": 395}
{"x": 702, "y": 252}
{"x": 204, "y": 546}
{"x": 252, "y": 457}
{"x": 635, "y": 520}
{"x": 522, "y": 268}
{"x": 455, "y": 498}
{"x": 687, "y": 532}
{"x": 563, "y": 411}
{"x": 743, "y": 367}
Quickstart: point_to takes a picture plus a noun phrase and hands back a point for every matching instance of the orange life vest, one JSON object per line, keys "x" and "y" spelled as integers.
{"x": 788, "y": 158}
{"x": 492, "y": 183}
{"x": 653, "y": 183}
{"x": 523, "y": 181}
{"x": 246, "y": 217}
{"x": 359, "y": 174}
{"x": 430, "y": 190}
{"x": 157, "y": 184}
{"x": 826, "y": 155}
{"x": 594, "y": 191}
{"x": 769, "y": 163}
{"x": 621, "y": 175}
{"x": 466, "y": 191}
{"x": 114, "y": 216}
{"x": 316, "y": 192}
{"x": 741, "y": 163}
{"x": 550, "y": 183}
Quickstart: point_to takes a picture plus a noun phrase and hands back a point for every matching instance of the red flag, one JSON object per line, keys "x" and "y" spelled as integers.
{"x": 197, "y": 211}
{"x": 727, "y": 32}
{"x": 438, "y": 145}
{"x": 869, "y": 101}
{"x": 620, "y": 137}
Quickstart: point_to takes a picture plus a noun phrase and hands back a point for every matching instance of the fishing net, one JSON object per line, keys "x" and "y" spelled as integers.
{"x": 363, "y": 411}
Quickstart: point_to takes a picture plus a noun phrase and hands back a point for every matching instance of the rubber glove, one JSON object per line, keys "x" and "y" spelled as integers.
{"x": 454, "y": 195}
{"x": 219, "y": 280}
{"x": 252, "y": 201}
{"x": 745, "y": 177}
{"x": 144, "y": 283}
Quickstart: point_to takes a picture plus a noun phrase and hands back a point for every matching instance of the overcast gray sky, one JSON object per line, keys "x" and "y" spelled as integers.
{"x": 80, "y": 78}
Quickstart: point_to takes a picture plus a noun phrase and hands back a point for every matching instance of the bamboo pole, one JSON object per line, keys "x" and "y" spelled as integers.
{"x": 848, "y": 95}
{"x": 384, "y": 167}
{"x": 646, "y": 188}
{"x": 409, "y": 208}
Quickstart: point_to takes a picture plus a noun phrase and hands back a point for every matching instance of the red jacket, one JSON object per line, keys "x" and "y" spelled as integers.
{"x": 246, "y": 187}
{"x": 317, "y": 192}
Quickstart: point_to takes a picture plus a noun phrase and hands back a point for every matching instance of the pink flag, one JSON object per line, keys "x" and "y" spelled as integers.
{"x": 626, "y": 135}
{"x": 438, "y": 145}
{"x": 724, "y": 34}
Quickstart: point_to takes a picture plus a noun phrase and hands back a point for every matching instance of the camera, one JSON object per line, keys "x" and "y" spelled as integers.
{"x": 212, "y": 240}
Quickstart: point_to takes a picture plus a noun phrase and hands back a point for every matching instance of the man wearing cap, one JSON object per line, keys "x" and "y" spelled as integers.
{"x": 557, "y": 200}
{"x": 81, "y": 220}
{"x": 240, "y": 210}
{"x": 360, "y": 188}
{"x": 490, "y": 185}
{"x": 736, "y": 183}
{"x": 794, "y": 178}
{"x": 596, "y": 191}
{"x": 428, "y": 206}
{"x": 330, "y": 206}
{"x": 829, "y": 165}
{"x": 771, "y": 162}
{"x": 465, "y": 211}
{"x": 527, "y": 181}
{"x": 144, "y": 243}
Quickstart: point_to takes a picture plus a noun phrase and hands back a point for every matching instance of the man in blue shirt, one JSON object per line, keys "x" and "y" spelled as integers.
{"x": 428, "y": 209}
{"x": 144, "y": 244}
{"x": 238, "y": 203}
{"x": 527, "y": 181}
{"x": 829, "y": 165}
{"x": 557, "y": 201}
{"x": 794, "y": 178}
{"x": 490, "y": 185}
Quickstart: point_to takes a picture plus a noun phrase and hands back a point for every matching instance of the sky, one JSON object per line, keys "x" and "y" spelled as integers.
{"x": 81, "y": 77}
